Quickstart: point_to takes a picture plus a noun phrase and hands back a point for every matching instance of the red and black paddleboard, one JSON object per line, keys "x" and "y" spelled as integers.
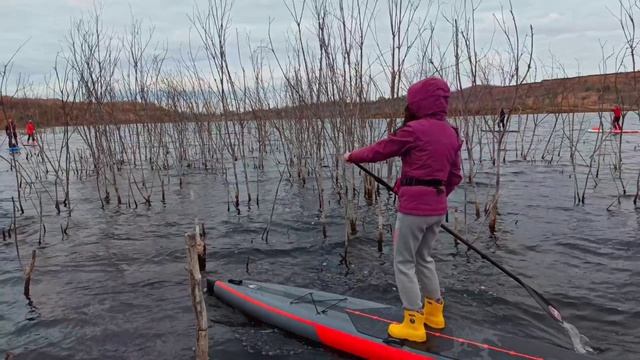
{"x": 359, "y": 327}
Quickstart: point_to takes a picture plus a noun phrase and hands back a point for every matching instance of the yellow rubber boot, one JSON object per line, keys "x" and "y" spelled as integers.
{"x": 412, "y": 327}
{"x": 434, "y": 313}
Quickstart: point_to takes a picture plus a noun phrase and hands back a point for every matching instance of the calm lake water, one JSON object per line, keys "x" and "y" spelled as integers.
{"x": 116, "y": 287}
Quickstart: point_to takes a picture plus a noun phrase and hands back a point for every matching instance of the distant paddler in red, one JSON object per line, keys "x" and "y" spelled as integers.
{"x": 31, "y": 132}
{"x": 617, "y": 115}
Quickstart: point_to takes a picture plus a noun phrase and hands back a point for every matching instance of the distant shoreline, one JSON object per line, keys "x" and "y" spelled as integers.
{"x": 584, "y": 94}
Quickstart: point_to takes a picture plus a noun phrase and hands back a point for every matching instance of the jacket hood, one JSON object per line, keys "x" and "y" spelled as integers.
{"x": 429, "y": 98}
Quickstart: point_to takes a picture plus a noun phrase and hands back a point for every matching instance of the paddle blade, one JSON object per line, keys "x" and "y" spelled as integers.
{"x": 544, "y": 303}
{"x": 554, "y": 313}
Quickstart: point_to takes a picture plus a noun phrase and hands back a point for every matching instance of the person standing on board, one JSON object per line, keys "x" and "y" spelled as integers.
{"x": 430, "y": 151}
{"x": 502, "y": 119}
{"x": 31, "y": 132}
{"x": 617, "y": 115}
{"x": 12, "y": 133}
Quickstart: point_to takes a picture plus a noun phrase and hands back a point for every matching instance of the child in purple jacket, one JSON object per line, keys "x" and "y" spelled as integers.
{"x": 430, "y": 151}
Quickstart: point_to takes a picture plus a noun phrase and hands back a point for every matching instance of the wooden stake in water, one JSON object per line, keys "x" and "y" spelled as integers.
{"x": 201, "y": 247}
{"x": 197, "y": 299}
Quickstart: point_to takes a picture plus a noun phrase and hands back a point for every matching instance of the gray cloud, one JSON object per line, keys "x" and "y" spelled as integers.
{"x": 571, "y": 29}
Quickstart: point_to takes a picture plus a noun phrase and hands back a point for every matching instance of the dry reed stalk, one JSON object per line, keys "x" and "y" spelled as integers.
{"x": 15, "y": 231}
{"x": 27, "y": 275}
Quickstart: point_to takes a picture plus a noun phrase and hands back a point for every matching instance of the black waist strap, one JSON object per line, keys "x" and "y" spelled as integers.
{"x": 409, "y": 181}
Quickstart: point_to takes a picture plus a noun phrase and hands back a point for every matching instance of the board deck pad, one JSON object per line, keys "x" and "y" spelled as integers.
{"x": 330, "y": 318}
{"x": 451, "y": 341}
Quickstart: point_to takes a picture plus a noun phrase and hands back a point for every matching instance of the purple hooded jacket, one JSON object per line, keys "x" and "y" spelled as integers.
{"x": 429, "y": 148}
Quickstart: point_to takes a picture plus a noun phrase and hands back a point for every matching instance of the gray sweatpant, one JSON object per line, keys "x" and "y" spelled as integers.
{"x": 413, "y": 265}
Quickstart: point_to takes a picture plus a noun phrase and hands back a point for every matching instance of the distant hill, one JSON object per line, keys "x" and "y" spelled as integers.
{"x": 581, "y": 94}
{"x": 590, "y": 93}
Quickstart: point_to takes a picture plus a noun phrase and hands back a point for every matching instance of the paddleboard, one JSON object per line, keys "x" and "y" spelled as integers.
{"x": 359, "y": 327}
{"x": 615, "y": 132}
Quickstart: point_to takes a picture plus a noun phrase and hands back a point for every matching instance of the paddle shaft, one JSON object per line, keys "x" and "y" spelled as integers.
{"x": 540, "y": 300}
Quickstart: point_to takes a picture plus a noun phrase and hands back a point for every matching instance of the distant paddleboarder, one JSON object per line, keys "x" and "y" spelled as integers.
{"x": 617, "y": 115}
{"x": 430, "y": 152}
{"x": 31, "y": 132}
{"x": 12, "y": 133}
{"x": 502, "y": 119}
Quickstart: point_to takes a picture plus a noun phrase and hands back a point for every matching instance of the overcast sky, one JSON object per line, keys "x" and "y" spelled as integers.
{"x": 570, "y": 29}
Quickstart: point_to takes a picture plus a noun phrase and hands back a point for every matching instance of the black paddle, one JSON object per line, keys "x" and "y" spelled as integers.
{"x": 541, "y": 300}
